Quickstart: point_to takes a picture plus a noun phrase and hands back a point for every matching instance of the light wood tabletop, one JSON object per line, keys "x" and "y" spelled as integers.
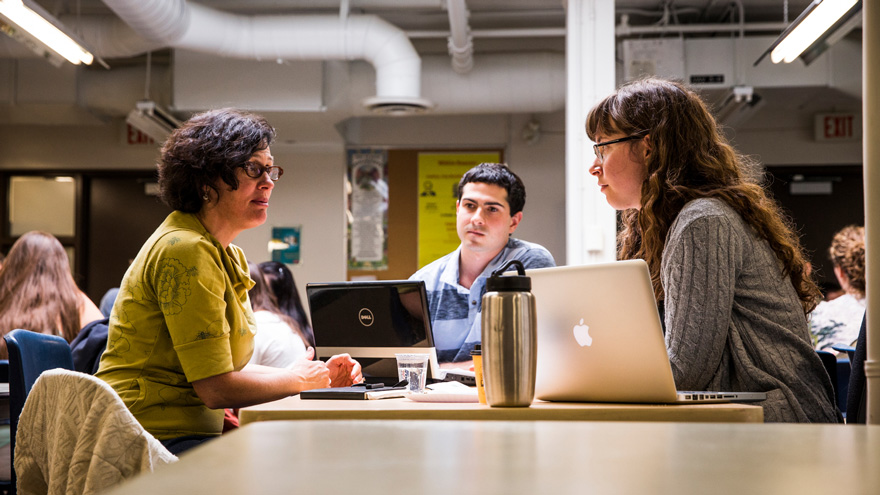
{"x": 513, "y": 457}
{"x": 401, "y": 408}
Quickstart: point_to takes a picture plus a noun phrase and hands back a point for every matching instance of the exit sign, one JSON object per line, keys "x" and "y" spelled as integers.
{"x": 838, "y": 127}
{"x": 133, "y": 137}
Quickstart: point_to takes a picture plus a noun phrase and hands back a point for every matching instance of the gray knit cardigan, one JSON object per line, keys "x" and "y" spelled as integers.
{"x": 734, "y": 322}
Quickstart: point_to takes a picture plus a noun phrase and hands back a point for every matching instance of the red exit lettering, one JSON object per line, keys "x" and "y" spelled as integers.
{"x": 137, "y": 137}
{"x": 838, "y": 126}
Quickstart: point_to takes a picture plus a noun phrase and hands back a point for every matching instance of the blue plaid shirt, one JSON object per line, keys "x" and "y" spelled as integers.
{"x": 455, "y": 310}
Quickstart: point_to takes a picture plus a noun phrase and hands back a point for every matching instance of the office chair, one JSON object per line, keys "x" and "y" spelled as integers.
{"x": 856, "y": 398}
{"x": 838, "y": 370}
{"x": 75, "y": 435}
{"x": 829, "y": 361}
{"x": 30, "y": 354}
{"x": 5, "y": 485}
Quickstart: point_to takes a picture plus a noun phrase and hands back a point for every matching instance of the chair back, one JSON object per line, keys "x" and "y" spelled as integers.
{"x": 856, "y": 400}
{"x": 6, "y": 485}
{"x": 838, "y": 371}
{"x": 30, "y": 354}
{"x": 829, "y": 361}
{"x": 75, "y": 435}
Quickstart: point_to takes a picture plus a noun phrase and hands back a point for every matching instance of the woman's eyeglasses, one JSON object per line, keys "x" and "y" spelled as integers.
{"x": 255, "y": 171}
{"x": 597, "y": 148}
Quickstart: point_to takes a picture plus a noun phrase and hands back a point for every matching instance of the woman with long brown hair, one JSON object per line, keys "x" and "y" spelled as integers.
{"x": 37, "y": 291}
{"x": 725, "y": 264}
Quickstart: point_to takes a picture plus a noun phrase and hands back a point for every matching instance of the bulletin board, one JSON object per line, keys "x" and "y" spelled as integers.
{"x": 439, "y": 175}
{"x": 403, "y": 208}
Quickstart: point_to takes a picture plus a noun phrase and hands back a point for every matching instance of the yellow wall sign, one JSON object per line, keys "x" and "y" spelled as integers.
{"x": 439, "y": 174}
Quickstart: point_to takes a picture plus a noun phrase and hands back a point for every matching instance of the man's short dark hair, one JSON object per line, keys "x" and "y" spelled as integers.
{"x": 499, "y": 175}
{"x": 209, "y": 146}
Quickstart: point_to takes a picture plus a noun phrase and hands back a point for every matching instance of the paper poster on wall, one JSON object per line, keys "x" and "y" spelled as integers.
{"x": 367, "y": 210}
{"x": 439, "y": 174}
{"x": 284, "y": 245}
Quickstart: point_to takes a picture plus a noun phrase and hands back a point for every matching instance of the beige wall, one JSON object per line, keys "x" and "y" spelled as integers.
{"x": 311, "y": 194}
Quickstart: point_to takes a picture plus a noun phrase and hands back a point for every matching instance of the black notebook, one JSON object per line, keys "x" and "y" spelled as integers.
{"x": 361, "y": 391}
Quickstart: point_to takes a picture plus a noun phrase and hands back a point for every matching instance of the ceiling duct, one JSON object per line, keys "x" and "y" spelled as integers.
{"x": 178, "y": 24}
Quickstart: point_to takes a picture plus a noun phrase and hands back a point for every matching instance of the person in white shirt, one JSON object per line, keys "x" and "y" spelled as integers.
{"x": 838, "y": 321}
{"x": 279, "y": 281}
{"x": 279, "y": 341}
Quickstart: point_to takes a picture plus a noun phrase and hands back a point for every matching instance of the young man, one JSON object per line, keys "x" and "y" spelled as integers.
{"x": 488, "y": 211}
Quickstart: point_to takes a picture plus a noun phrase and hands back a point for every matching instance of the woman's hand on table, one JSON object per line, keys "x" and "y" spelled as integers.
{"x": 344, "y": 371}
{"x": 311, "y": 374}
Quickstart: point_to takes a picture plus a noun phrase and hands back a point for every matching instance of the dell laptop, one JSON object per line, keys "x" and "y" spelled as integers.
{"x": 372, "y": 321}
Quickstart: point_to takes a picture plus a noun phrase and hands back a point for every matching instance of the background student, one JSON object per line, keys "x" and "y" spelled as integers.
{"x": 38, "y": 293}
{"x": 280, "y": 282}
{"x": 278, "y": 342}
{"x": 838, "y": 321}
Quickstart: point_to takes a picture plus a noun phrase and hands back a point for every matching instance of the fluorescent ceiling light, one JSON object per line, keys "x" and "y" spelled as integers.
{"x": 17, "y": 16}
{"x": 814, "y": 25}
{"x": 821, "y": 24}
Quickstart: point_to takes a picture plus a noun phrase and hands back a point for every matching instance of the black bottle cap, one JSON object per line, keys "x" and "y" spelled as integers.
{"x": 499, "y": 282}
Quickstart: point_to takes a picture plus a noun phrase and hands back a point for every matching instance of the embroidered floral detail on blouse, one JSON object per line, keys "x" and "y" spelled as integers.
{"x": 173, "y": 285}
{"x": 215, "y": 329}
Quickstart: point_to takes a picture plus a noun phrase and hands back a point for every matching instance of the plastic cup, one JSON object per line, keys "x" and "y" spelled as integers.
{"x": 477, "y": 356}
{"x": 414, "y": 369}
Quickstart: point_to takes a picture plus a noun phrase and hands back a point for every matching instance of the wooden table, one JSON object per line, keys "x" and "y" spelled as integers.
{"x": 296, "y": 408}
{"x": 513, "y": 457}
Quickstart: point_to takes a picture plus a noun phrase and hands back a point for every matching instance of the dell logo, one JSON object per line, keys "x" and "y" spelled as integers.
{"x": 365, "y": 316}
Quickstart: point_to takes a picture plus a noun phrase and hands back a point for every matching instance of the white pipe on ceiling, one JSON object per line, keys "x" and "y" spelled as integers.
{"x": 461, "y": 46}
{"x": 624, "y": 29}
{"x": 494, "y": 33}
{"x": 498, "y": 83}
{"x": 191, "y": 26}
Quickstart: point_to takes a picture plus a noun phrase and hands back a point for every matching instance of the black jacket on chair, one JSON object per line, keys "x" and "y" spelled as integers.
{"x": 88, "y": 346}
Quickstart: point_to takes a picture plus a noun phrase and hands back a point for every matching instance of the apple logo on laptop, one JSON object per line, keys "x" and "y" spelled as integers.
{"x": 582, "y": 334}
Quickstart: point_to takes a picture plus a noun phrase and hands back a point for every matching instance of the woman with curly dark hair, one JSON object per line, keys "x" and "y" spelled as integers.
{"x": 725, "y": 264}
{"x": 839, "y": 321}
{"x": 182, "y": 328}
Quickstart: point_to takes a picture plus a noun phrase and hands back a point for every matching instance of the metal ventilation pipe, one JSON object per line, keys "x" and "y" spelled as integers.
{"x": 194, "y": 27}
{"x": 461, "y": 46}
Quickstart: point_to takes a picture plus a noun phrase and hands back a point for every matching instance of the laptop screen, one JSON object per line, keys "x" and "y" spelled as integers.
{"x": 370, "y": 321}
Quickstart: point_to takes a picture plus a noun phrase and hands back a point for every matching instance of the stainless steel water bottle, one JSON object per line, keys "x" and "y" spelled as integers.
{"x": 509, "y": 338}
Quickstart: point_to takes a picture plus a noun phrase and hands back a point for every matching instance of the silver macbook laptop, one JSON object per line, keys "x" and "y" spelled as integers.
{"x": 600, "y": 338}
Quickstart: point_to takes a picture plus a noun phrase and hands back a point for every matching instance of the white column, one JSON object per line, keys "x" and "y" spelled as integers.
{"x": 871, "y": 165}
{"x": 590, "y": 228}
